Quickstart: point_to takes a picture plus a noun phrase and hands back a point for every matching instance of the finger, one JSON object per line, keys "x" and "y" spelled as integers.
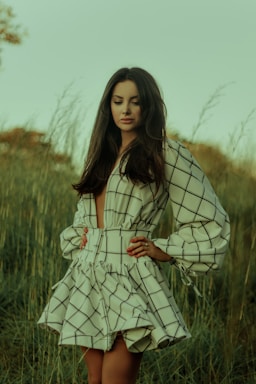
{"x": 139, "y": 249}
{"x": 139, "y": 243}
{"x": 141, "y": 254}
{"x": 136, "y": 247}
{"x": 83, "y": 240}
{"x": 138, "y": 239}
{"x": 138, "y": 252}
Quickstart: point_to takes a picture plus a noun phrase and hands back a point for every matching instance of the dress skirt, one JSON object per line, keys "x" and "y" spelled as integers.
{"x": 105, "y": 291}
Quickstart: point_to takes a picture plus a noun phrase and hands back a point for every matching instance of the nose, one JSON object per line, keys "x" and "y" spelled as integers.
{"x": 126, "y": 110}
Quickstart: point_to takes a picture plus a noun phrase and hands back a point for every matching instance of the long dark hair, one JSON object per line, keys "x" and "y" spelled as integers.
{"x": 145, "y": 161}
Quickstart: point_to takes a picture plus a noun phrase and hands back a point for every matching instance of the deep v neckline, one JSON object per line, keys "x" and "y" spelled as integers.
{"x": 102, "y": 205}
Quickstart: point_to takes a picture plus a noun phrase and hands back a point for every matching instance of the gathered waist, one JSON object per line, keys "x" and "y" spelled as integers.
{"x": 110, "y": 242}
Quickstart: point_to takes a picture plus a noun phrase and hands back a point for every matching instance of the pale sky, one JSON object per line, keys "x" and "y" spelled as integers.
{"x": 191, "y": 47}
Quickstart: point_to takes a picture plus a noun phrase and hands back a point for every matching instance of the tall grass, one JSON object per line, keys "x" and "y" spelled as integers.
{"x": 37, "y": 202}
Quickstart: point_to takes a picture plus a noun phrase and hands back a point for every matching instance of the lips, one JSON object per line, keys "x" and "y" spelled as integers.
{"x": 126, "y": 121}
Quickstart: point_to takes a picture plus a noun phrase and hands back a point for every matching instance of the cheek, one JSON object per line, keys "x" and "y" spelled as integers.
{"x": 114, "y": 113}
{"x": 139, "y": 115}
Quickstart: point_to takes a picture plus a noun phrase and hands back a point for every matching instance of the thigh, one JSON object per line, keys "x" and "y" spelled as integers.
{"x": 119, "y": 365}
{"x": 93, "y": 359}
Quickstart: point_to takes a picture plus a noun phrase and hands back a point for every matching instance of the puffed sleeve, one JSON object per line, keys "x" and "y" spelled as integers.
{"x": 202, "y": 233}
{"x": 70, "y": 238}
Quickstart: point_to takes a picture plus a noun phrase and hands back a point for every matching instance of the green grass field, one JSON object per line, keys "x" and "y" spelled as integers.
{"x": 37, "y": 202}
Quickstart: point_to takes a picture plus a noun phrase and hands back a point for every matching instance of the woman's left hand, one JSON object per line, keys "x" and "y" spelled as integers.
{"x": 141, "y": 246}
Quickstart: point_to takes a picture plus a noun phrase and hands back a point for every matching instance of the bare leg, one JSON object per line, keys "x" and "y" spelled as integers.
{"x": 119, "y": 365}
{"x": 93, "y": 360}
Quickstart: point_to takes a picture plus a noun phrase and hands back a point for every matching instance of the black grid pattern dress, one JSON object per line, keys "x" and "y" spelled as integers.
{"x": 106, "y": 291}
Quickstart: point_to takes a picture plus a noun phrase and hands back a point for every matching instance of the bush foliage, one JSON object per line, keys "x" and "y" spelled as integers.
{"x": 37, "y": 202}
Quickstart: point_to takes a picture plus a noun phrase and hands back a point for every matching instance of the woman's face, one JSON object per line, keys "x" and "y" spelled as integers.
{"x": 125, "y": 106}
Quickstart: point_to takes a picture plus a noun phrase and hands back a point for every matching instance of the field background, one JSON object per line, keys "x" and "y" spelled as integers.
{"x": 37, "y": 202}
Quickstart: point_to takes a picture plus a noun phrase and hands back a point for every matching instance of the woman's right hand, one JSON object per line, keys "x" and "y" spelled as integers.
{"x": 84, "y": 238}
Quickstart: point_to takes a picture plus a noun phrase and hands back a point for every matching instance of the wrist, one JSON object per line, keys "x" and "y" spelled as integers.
{"x": 172, "y": 260}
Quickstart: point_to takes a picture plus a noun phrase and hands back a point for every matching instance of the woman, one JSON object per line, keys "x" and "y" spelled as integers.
{"x": 114, "y": 300}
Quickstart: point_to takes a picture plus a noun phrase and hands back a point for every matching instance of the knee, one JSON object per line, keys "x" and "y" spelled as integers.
{"x": 93, "y": 359}
{"x": 94, "y": 375}
{"x": 94, "y": 378}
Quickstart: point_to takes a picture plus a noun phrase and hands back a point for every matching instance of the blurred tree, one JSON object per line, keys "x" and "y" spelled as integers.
{"x": 9, "y": 32}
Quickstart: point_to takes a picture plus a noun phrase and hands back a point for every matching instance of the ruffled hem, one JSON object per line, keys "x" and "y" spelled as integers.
{"x": 95, "y": 301}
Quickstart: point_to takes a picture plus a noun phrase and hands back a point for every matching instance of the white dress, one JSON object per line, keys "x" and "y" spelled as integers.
{"x": 106, "y": 291}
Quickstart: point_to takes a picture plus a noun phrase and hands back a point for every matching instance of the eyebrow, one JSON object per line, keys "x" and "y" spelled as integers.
{"x": 131, "y": 98}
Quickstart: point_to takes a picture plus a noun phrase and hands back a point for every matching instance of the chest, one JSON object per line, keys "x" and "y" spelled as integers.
{"x": 99, "y": 206}
{"x": 123, "y": 203}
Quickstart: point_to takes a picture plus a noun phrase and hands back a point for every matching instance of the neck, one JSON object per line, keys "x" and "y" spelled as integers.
{"x": 126, "y": 141}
